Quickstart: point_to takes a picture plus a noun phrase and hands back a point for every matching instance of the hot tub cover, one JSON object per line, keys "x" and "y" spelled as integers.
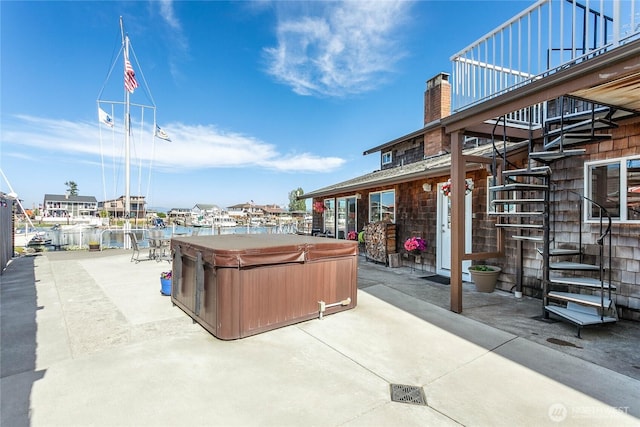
{"x": 246, "y": 250}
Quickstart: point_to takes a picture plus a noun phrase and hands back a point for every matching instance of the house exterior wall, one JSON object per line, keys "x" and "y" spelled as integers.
{"x": 625, "y": 243}
{"x": 568, "y": 177}
{"x": 416, "y": 216}
{"x": 405, "y": 153}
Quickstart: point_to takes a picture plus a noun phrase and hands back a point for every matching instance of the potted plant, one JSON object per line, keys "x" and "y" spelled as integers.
{"x": 165, "y": 283}
{"x": 484, "y": 277}
{"x": 415, "y": 246}
{"x": 318, "y": 206}
{"x": 94, "y": 245}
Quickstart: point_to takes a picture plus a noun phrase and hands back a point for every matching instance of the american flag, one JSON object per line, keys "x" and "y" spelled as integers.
{"x": 130, "y": 82}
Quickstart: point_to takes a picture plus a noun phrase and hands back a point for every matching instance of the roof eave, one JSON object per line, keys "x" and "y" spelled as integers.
{"x": 415, "y": 133}
{"x": 415, "y": 176}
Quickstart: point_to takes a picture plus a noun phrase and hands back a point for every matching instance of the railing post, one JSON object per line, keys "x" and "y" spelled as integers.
{"x": 457, "y": 219}
{"x": 545, "y": 248}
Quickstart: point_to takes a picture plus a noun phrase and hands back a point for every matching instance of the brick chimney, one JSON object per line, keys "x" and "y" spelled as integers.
{"x": 437, "y": 98}
{"x": 437, "y": 104}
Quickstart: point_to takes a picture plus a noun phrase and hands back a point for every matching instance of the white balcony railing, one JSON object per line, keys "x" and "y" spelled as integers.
{"x": 547, "y": 36}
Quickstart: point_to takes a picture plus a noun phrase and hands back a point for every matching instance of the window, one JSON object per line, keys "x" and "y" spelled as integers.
{"x": 346, "y": 207}
{"x": 614, "y": 184}
{"x": 382, "y": 206}
{"x": 329, "y": 216}
{"x": 387, "y": 158}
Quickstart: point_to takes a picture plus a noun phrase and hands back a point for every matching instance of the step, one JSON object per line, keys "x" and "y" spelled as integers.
{"x": 579, "y": 317}
{"x": 581, "y": 124}
{"x": 618, "y": 114}
{"x": 561, "y": 251}
{"x": 584, "y": 115}
{"x": 585, "y": 282}
{"x": 515, "y": 201}
{"x": 549, "y": 156}
{"x": 590, "y": 300}
{"x": 566, "y": 265}
{"x": 535, "y": 171}
{"x": 517, "y": 186}
{"x": 516, "y": 214}
{"x": 529, "y": 238}
{"x": 536, "y": 226}
{"x": 576, "y": 138}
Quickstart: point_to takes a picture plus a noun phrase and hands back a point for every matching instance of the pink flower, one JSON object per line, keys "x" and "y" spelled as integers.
{"x": 415, "y": 244}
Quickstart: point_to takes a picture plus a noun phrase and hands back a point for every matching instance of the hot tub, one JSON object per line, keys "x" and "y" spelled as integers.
{"x": 244, "y": 284}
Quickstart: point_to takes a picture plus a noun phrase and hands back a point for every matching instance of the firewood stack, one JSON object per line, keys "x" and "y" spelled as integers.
{"x": 376, "y": 238}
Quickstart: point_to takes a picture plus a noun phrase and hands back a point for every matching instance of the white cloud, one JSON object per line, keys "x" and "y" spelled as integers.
{"x": 179, "y": 41}
{"x": 192, "y": 147}
{"x": 341, "y": 48}
{"x": 166, "y": 11}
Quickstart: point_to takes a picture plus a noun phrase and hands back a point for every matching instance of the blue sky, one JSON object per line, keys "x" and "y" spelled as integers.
{"x": 259, "y": 98}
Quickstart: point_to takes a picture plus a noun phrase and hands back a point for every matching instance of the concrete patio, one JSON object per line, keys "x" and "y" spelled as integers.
{"x": 87, "y": 339}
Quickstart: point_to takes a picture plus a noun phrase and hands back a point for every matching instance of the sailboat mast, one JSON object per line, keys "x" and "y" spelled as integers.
{"x": 127, "y": 131}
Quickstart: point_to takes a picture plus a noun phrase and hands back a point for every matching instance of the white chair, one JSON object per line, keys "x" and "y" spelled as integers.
{"x": 135, "y": 256}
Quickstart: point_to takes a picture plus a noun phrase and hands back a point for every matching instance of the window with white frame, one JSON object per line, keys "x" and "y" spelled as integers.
{"x": 614, "y": 184}
{"x": 382, "y": 206}
{"x": 387, "y": 158}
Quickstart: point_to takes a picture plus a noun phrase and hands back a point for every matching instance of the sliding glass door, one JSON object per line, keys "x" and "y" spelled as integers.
{"x": 346, "y": 218}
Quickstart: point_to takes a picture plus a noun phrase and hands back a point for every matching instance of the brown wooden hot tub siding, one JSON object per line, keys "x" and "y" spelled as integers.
{"x": 255, "y": 284}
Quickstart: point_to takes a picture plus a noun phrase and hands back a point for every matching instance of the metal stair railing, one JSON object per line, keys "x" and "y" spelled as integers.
{"x": 580, "y": 211}
{"x": 600, "y": 240}
{"x": 604, "y": 233}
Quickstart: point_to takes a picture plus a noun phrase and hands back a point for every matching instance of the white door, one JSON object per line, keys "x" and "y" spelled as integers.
{"x": 443, "y": 238}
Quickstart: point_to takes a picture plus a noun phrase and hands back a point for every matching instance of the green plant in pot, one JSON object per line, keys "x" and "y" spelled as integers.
{"x": 94, "y": 245}
{"x": 484, "y": 277}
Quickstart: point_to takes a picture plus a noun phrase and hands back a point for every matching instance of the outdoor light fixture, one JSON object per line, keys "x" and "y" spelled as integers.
{"x": 426, "y": 187}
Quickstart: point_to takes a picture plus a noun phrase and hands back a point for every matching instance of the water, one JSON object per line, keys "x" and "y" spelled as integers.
{"x": 79, "y": 237}
{"x": 114, "y": 239}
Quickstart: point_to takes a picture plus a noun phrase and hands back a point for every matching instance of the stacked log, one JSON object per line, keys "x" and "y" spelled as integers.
{"x": 375, "y": 239}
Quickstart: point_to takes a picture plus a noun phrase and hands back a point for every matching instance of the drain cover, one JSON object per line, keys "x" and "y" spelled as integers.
{"x": 408, "y": 394}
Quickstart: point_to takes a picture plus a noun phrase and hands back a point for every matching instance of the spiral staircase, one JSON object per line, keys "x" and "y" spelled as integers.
{"x": 576, "y": 277}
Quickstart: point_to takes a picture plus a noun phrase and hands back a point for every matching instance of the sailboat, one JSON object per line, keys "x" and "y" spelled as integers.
{"x": 107, "y": 115}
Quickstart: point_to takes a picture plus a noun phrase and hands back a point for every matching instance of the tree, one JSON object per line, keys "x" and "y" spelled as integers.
{"x": 72, "y": 188}
{"x": 294, "y": 204}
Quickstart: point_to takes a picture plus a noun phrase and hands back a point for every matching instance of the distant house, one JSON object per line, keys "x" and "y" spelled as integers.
{"x": 274, "y": 215}
{"x": 204, "y": 209}
{"x": 116, "y": 207}
{"x": 259, "y": 214}
{"x": 178, "y": 215}
{"x": 62, "y": 206}
{"x": 242, "y": 210}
